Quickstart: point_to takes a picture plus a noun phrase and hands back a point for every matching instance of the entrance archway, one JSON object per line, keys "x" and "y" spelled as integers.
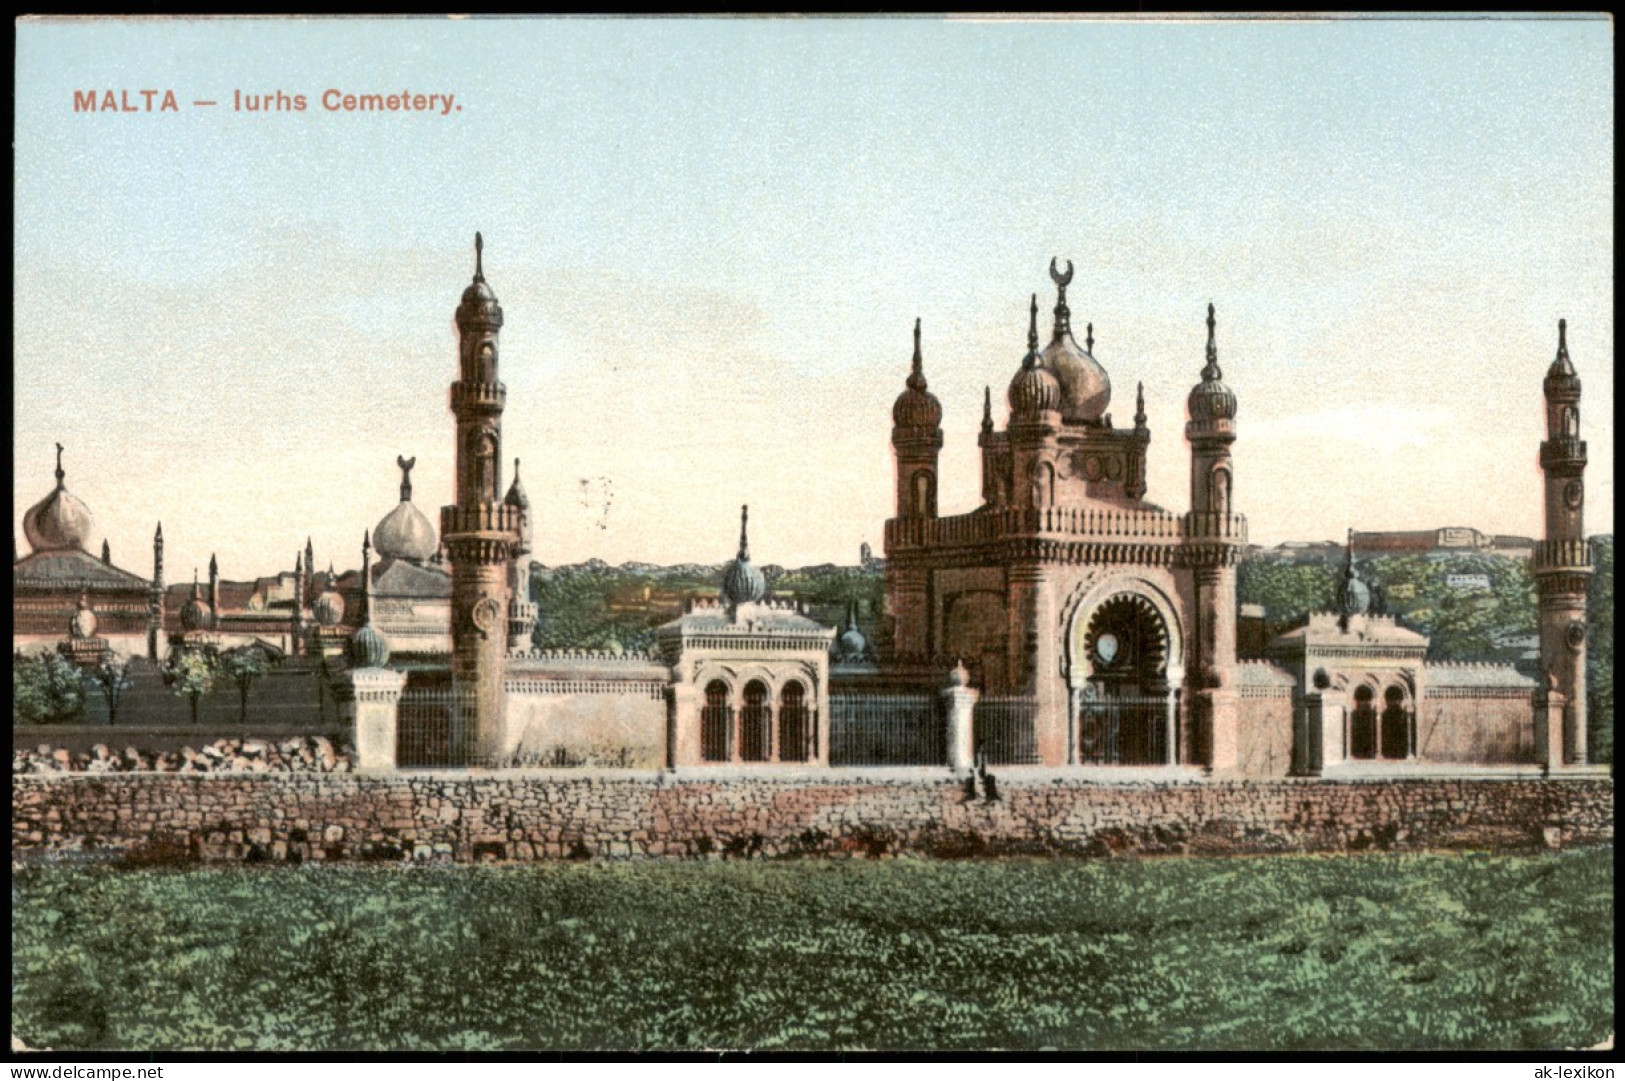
{"x": 1124, "y": 709}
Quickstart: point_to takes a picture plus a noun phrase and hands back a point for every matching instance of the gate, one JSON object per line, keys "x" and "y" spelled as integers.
{"x": 423, "y": 729}
{"x": 887, "y": 730}
{"x": 1123, "y": 730}
{"x": 1003, "y": 731}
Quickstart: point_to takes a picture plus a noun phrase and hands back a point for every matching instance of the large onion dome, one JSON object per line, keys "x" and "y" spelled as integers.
{"x": 1086, "y": 389}
{"x": 917, "y": 407}
{"x": 405, "y": 532}
{"x": 743, "y": 583}
{"x": 60, "y": 521}
{"x": 196, "y": 615}
{"x": 83, "y": 624}
{"x": 1034, "y": 391}
{"x": 1211, "y": 399}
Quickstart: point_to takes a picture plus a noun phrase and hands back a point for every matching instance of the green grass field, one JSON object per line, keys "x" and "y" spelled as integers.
{"x": 1268, "y": 953}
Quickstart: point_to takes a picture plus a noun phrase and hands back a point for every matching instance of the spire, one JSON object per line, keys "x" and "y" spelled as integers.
{"x": 744, "y": 520}
{"x": 479, "y": 257}
{"x": 1139, "y": 406}
{"x": 1032, "y": 328}
{"x": 1089, "y": 338}
{"x": 107, "y": 553}
{"x": 197, "y": 590}
{"x": 214, "y": 567}
{"x": 851, "y": 615}
{"x": 1560, "y": 366}
{"x": 405, "y": 465}
{"x": 916, "y": 375}
{"x": 1063, "y": 314}
{"x": 1211, "y": 373}
{"x": 987, "y": 409}
{"x": 366, "y": 577}
{"x": 60, "y": 475}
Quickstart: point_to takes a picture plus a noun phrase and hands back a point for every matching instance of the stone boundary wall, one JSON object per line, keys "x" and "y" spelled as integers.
{"x": 538, "y": 815}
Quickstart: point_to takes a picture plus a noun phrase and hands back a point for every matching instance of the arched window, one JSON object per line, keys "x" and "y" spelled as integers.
{"x": 1396, "y": 724}
{"x": 714, "y": 723}
{"x": 1043, "y": 485}
{"x": 1570, "y": 422}
{"x": 1218, "y": 493}
{"x": 1363, "y": 727}
{"x": 488, "y": 363}
{"x": 794, "y": 736}
{"x": 755, "y": 737}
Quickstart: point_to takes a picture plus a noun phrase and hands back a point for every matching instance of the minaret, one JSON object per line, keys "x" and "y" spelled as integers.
{"x": 155, "y": 601}
{"x": 916, "y": 438}
{"x": 107, "y": 553}
{"x": 214, "y": 592}
{"x": 1214, "y": 536}
{"x": 521, "y": 612}
{"x": 307, "y": 596}
{"x": 481, "y": 532}
{"x": 1562, "y": 564}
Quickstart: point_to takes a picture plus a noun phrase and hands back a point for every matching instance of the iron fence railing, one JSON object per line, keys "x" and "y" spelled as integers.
{"x": 886, "y": 730}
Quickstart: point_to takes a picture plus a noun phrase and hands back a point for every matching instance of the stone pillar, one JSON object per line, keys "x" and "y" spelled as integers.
{"x": 1216, "y": 662}
{"x": 820, "y": 724}
{"x": 1051, "y": 716}
{"x": 1170, "y": 733}
{"x": 682, "y": 725}
{"x": 959, "y": 703}
{"x": 1319, "y": 739}
{"x": 1551, "y": 729}
{"x": 910, "y": 610}
{"x": 373, "y": 709}
{"x": 1224, "y": 730}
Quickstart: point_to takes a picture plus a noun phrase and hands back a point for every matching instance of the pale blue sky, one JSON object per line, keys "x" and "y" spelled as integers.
{"x": 711, "y": 239}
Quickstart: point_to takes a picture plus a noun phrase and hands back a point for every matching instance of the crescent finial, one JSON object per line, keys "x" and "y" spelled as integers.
{"x": 479, "y": 257}
{"x": 1060, "y": 279}
{"x": 59, "y": 473}
{"x": 406, "y": 465}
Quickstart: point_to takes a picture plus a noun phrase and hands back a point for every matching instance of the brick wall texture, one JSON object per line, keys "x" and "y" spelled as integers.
{"x": 157, "y": 818}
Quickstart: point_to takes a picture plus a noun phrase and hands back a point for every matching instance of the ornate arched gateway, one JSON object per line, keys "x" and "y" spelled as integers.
{"x": 1124, "y": 677}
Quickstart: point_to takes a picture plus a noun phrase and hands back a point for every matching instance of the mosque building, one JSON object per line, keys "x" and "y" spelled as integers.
{"x": 1066, "y": 622}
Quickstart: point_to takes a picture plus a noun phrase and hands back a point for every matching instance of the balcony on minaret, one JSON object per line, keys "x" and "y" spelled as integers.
{"x": 1563, "y": 452}
{"x": 486, "y": 518}
{"x": 468, "y": 397}
{"x": 1214, "y": 526}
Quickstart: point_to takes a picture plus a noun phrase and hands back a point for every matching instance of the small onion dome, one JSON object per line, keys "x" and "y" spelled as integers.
{"x": 742, "y": 583}
{"x": 852, "y": 645}
{"x": 917, "y": 407}
{"x": 1353, "y": 593}
{"x": 405, "y": 532}
{"x": 329, "y": 606}
{"x": 1211, "y": 399}
{"x": 196, "y": 615}
{"x": 368, "y": 648}
{"x": 1086, "y": 389}
{"x": 1034, "y": 391}
{"x": 60, "y": 521}
{"x": 1561, "y": 375}
{"x": 83, "y": 624}
{"x": 479, "y": 305}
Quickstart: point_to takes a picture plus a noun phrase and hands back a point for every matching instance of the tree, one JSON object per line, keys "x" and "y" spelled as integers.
{"x": 46, "y": 689}
{"x": 243, "y": 667}
{"x": 191, "y": 676}
{"x": 113, "y": 676}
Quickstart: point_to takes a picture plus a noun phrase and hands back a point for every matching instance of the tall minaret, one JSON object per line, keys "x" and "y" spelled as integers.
{"x": 1214, "y": 535}
{"x": 481, "y": 532}
{"x": 155, "y": 601}
{"x": 296, "y": 630}
{"x": 1562, "y": 564}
